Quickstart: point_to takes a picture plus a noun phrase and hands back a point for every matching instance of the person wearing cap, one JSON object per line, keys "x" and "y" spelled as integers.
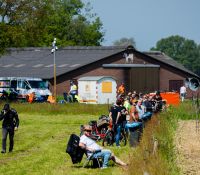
{"x": 10, "y": 124}
{"x": 93, "y": 149}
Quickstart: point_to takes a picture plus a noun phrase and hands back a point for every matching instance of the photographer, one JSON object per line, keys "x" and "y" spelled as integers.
{"x": 9, "y": 125}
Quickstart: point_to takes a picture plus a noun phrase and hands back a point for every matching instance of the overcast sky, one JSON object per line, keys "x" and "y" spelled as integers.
{"x": 148, "y": 21}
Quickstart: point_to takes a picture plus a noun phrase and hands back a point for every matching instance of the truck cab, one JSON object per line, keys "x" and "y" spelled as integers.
{"x": 25, "y": 86}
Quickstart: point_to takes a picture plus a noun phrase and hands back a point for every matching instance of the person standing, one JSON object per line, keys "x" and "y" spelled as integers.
{"x": 121, "y": 91}
{"x": 10, "y": 124}
{"x": 134, "y": 115}
{"x": 115, "y": 116}
{"x": 183, "y": 92}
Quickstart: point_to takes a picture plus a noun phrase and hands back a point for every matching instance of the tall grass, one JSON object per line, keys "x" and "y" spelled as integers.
{"x": 160, "y": 130}
{"x": 186, "y": 110}
{"x": 155, "y": 154}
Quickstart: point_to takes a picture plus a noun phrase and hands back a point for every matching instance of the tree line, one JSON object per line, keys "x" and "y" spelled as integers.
{"x": 34, "y": 23}
{"x": 184, "y": 51}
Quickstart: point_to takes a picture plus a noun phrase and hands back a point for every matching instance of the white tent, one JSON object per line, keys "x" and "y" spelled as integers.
{"x": 97, "y": 89}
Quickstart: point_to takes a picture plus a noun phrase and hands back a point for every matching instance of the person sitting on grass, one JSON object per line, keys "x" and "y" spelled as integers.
{"x": 92, "y": 148}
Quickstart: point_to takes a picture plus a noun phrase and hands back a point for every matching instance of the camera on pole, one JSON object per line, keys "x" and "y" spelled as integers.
{"x": 54, "y": 47}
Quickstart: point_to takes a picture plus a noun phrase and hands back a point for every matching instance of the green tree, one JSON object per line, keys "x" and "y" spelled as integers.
{"x": 125, "y": 42}
{"x": 25, "y": 23}
{"x": 183, "y": 50}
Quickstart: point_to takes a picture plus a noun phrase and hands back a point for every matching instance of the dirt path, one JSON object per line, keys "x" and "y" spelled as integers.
{"x": 188, "y": 147}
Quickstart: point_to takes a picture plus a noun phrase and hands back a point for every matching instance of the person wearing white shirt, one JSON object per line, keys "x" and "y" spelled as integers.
{"x": 183, "y": 92}
{"x": 92, "y": 148}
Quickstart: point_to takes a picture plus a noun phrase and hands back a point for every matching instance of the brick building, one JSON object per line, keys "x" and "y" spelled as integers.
{"x": 140, "y": 71}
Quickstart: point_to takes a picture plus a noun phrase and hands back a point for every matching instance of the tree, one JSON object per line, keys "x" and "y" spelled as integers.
{"x": 183, "y": 50}
{"x": 125, "y": 42}
{"x": 26, "y": 23}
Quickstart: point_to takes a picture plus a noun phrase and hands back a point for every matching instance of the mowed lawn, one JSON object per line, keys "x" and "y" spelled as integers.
{"x": 41, "y": 139}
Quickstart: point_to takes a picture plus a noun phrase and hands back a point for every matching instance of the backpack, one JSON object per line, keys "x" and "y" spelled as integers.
{"x": 73, "y": 149}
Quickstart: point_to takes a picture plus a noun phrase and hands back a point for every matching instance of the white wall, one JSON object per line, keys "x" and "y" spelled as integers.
{"x": 87, "y": 91}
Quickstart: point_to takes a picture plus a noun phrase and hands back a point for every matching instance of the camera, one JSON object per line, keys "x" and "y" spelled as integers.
{"x": 52, "y": 50}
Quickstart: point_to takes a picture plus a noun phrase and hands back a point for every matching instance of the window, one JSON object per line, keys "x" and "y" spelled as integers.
{"x": 38, "y": 84}
{"x": 14, "y": 84}
{"x": 106, "y": 87}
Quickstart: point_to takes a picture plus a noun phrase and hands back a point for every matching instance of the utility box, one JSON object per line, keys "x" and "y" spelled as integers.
{"x": 97, "y": 89}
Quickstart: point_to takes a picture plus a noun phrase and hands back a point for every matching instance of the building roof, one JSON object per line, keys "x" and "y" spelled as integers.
{"x": 94, "y": 78}
{"x": 39, "y": 62}
{"x": 160, "y": 56}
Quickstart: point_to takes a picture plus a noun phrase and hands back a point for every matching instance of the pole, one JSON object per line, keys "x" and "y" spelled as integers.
{"x": 54, "y": 60}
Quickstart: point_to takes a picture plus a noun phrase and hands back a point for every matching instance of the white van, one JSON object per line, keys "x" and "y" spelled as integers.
{"x": 25, "y": 85}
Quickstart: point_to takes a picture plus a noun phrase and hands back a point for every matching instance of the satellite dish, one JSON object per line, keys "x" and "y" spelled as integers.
{"x": 193, "y": 84}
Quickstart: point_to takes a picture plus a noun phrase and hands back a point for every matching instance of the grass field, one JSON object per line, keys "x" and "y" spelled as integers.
{"x": 40, "y": 142}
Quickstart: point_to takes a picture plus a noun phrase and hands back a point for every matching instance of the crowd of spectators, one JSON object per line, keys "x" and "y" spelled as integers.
{"x": 132, "y": 110}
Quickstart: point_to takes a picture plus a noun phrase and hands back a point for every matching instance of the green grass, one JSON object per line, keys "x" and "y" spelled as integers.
{"x": 44, "y": 130}
{"x": 41, "y": 140}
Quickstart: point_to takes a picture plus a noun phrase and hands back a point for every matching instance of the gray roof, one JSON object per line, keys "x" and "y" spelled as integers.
{"x": 168, "y": 60}
{"x": 38, "y": 62}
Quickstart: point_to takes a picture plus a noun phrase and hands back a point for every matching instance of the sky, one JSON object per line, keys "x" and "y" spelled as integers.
{"x": 148, "y": 21}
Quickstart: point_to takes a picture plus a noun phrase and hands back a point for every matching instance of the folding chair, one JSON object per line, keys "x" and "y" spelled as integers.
{"x": 95, "y": 162}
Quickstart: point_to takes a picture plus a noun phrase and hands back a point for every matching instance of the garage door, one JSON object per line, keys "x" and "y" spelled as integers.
{"x": 144, "y": 79}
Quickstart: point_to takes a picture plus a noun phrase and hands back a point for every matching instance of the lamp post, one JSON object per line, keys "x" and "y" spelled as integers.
{"x": 54, "y": 48}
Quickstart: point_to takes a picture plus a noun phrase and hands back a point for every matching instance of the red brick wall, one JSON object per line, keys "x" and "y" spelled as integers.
{"x": 165, "y": 76}
{"x": 118, "y": 74}
{"x": 95, "y": 69}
